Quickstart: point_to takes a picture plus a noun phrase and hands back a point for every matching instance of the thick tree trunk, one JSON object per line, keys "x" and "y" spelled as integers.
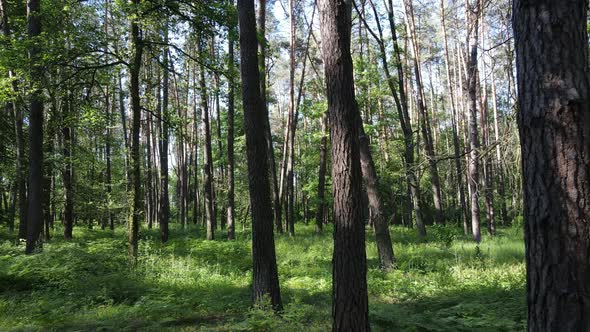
{"x": 554, "y": 124}
{"x": 265, "y": 277}
{"x": 35, "y": 204}
{"x": 134, "y": 70}
{"x": 350, "y": 310}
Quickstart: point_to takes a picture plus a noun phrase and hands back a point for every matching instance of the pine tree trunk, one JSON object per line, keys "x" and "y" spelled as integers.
{"x": 349, "y": 279}
{"x": 554, "y": 125}
{"x": 265, "y": 277}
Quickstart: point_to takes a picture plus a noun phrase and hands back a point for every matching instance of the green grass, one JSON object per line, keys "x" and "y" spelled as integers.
{"x": 189, "y": 284}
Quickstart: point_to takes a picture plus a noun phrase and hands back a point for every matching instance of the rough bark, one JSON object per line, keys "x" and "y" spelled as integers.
{"x": 554, "y": 125}
{"x": 35, "y": 205}
{"x": 349, "y": 272}
{"x": 134, "y": 70}
{"x": 265, "y": 276}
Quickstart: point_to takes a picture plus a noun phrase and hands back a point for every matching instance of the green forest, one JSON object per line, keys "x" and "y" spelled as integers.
{"x": 288, "y": 165}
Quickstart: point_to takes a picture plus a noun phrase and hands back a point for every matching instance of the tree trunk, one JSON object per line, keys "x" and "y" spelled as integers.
{"x": 35, "y": 204}
{"x": 262, "y": 68}
{"x": 19, "y": 186}
{"x": 164, "y": 216}
{"x": 68, "y": 169}
{"x": 349, "y": 291}
{"x": 382, "y": 236}
{"x": 424, "y": 118}
{"x": 208, "y": 180}
{"x": 499, "y": 161}
{"x": 134, "y": 69}
{"x": 322, "y": 177}
{"x": 473, "y": 28}
{"x": 456, "y": 143}
{"x": 265, "y": 276}
{"x": 231, "y": 226}
{"x": 554, "y": 125}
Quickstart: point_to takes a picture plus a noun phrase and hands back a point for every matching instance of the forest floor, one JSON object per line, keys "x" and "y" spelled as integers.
{"x": 189, "y": 284}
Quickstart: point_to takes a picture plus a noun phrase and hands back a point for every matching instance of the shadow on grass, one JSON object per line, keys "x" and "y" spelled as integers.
{"x": 483, "y": 309}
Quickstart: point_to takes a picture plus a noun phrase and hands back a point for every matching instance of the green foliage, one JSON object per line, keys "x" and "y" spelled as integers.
{"x": 191, "y": 284}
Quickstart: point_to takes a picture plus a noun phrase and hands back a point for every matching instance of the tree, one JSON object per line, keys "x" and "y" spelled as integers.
{"x": 164, "y": 215}
{"x": 263, "y": 92}
{"x": 35, "y": 208}
{"x": 424, "y": 117}
{"x": 472, "y": 12}
{"x": 349, "y": 271}
{"x": 554, "y": 125}
{"x": 134, "y": 69}
{"x": 265, "y": 276}
{"x": 230, "y": 135}
{"x": 319, "y": 219}
{"x": 207, "y": 167}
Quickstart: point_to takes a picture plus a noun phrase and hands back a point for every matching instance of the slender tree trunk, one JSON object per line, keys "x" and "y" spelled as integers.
{"x": 134, "y": 70}
{"x": 231, "y": 226}
{"x": 350, "y": 310}
{"x": 554, "y": 125}
{"x": 68, "y": 169}
{"x": 322, "y": 177}
{"x": 12, "y": 108}
{"x": 164, "y": 216}
{"x": 262, "y": 68}
{"x": 208, "y": 180}
{"x": 378, "y": 220}
{"x": 499, "y": 161}
{"x": 473, "y": 29}
{"x": 424, "y": 118}
{"x": 265, "y": 277}
{"x": 456, "y": 143}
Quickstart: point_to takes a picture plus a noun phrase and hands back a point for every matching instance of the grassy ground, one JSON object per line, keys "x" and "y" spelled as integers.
{"x": 189, "y": 284}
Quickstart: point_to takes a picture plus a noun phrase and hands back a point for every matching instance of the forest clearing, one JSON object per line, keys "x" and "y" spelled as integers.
{"x": 190, "y": 284}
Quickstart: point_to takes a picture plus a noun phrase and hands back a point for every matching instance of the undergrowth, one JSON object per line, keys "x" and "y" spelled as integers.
{"x": 189, "y": 284}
